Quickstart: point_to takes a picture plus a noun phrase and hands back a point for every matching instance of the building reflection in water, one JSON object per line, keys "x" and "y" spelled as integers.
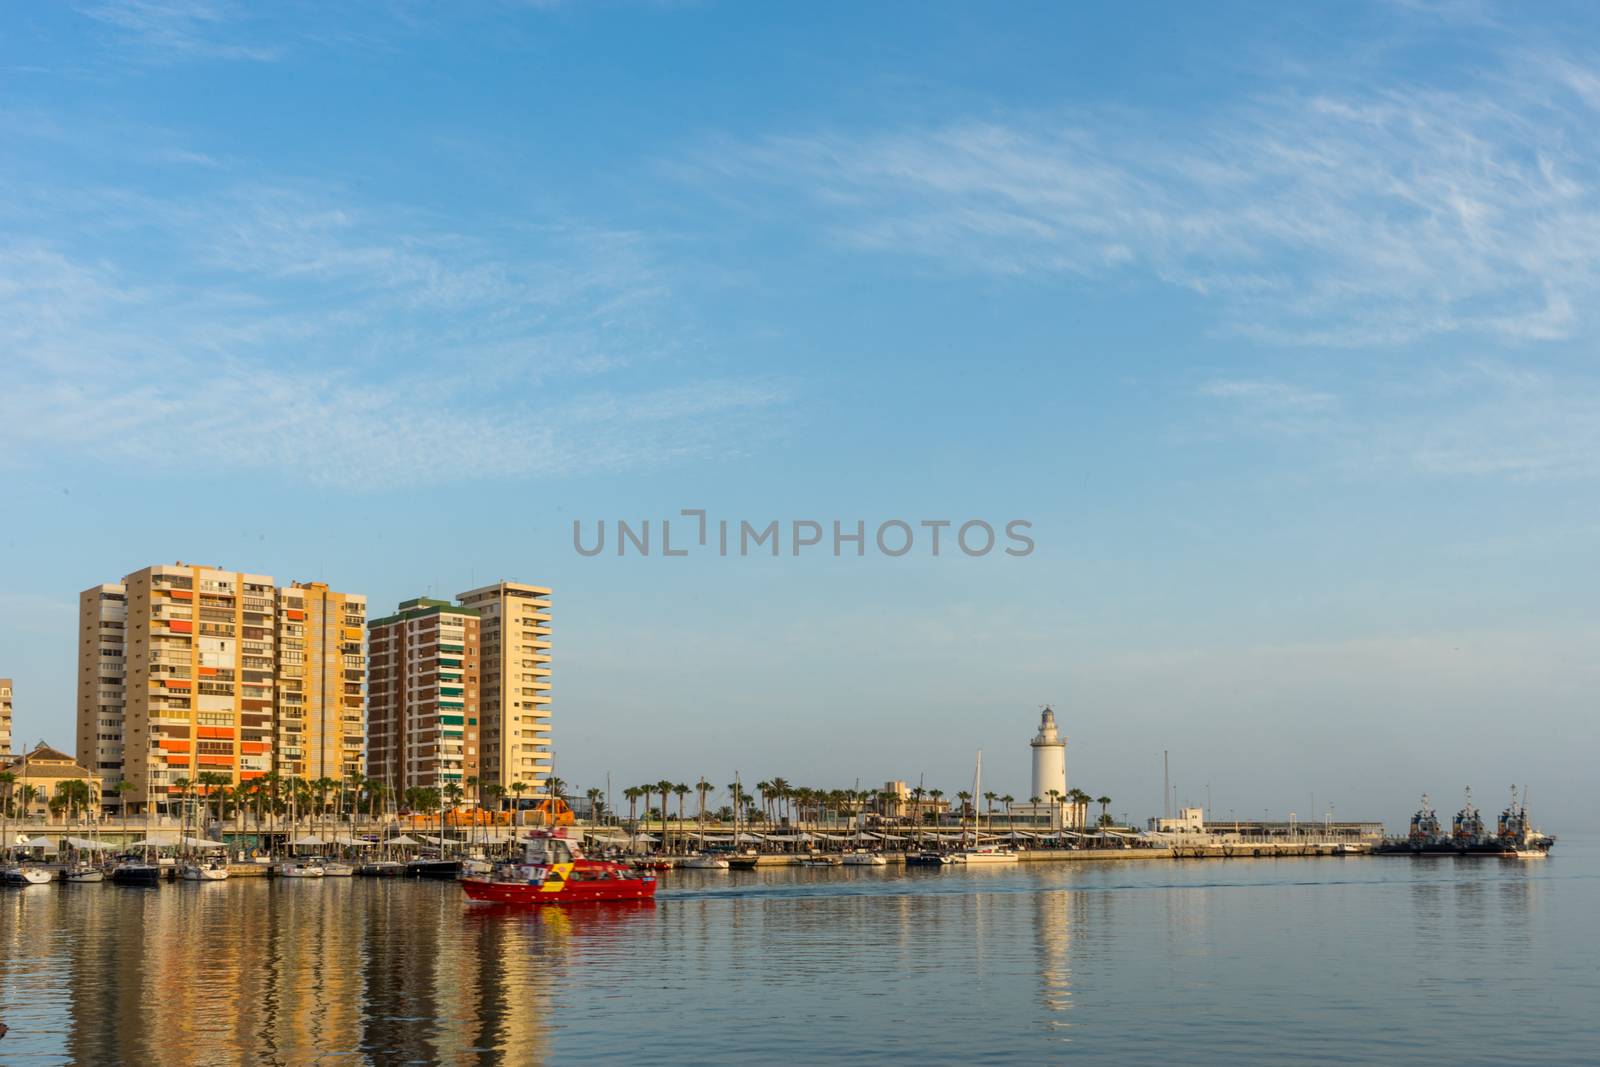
{"x": 1058, "y": 918}
{"x": 286, "y": 972}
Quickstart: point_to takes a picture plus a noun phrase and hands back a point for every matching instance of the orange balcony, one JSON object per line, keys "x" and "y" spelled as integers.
{"x": 215, "y": 761}
{"x": 172, "y": 744}
{"x": 177, "y": 683}
{"x": 180, "y": 626}
{"x": 221, "y": 733}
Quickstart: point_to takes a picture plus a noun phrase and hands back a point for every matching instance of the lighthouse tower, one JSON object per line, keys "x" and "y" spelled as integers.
{"x": 1049, "y": 759}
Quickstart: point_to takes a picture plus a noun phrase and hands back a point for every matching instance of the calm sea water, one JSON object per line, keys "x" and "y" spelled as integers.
{"x": 1360, "y": 960}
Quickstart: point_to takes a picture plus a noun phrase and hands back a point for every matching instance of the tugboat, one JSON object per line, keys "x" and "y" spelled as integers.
{"x": 1514, "y": 837}
{"x": 1466, "y": 829}
{"x": 553, "y": 870}
{"x": 1425, "y": 838}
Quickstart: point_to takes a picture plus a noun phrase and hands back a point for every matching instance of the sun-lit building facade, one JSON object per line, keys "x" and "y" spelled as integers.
{"x": 515, "y": 738}
{"x": 423, "y": 696}
{"x": 188, "y": 670}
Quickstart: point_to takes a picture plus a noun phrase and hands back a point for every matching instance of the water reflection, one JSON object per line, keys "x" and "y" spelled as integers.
{"x": 1251, "y": 963}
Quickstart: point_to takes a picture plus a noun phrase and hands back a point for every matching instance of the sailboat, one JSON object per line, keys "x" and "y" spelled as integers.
{"x": 979, "y": 852}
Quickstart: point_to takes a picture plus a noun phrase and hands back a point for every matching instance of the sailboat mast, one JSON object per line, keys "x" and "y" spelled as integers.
{"x": 977, "y": 791}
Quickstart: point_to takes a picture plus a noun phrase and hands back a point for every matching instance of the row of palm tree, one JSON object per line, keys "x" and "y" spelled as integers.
{"x": 802, "y": 806}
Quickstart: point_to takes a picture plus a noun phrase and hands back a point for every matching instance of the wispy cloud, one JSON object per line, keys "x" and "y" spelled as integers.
{"x": 1371, "y": 215}
{"x": 170, "y": 29}
{"x": 1479, "y": 418}
{"x": 288, "y": 327}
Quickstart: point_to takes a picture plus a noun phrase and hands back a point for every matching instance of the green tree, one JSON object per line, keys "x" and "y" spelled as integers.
{"x": 7, "y": 781}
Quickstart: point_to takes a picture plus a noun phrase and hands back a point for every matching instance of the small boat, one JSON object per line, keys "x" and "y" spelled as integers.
{"x": 382, "y": 869}
{"x": 927, "y": 858}
{"x": 655, "y": 863}
{"x": 336, "y": 869}
{"x": 863, "y": 858}
{"x": 299, "y": 869}
{"x": 554, "y": 870}
{"x": 204, "y": 871}
{"x": 443, "y": 870}
{"x": 984, "y": 854}
{"x": 137, "y": 872}
{"x": 706, "y": 861}
{"x": 22, "y": 874}
{"x": 744, "y": 861}
{"x": 83, "y": 873}
{"x": 820, "y": 860}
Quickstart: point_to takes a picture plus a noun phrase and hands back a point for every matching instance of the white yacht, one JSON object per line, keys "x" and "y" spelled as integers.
{"x": 863, "y": 858}
{"x": 25, "y": 875}
{"x": 298, "y": 869}
{"x": 706, "y": 861}
{"x": 204, "y": 870}
{"x": 984, "y": 854}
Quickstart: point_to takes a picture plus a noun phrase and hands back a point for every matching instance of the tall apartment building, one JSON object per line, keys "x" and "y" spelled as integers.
{"x": 102, "y": 640}
{"x": 5, "y": 716}
{"x": 214, "y": 671}
{"x": 320, "y": 671}
{"x": 515, "y": 743}
{"x": 423, "y": 696}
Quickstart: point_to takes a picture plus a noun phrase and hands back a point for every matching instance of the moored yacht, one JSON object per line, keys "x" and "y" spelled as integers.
{"x": 204, "y": 870}
{"x": 863, "y": 858}
{"x": 299, "y": 869}
{"x": 706, "y": 861}
{"x": 137, "y": 872}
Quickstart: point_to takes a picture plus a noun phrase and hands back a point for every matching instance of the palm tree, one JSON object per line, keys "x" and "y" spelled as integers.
{"x": 594, "y": 795}
{"x": 26, "y": 795}
{"x": 681, "y": 790}
{"x": 936, "y": 795}
{"x": 1080, "y": 801}
{"x": 214, "y": 784}
{"x": 518, "y": 788}
{"x": 780, "y": 793}
{"x": 632, "y": 795}
{"x": 7, "y": 780}
{"x": 664, "y": 787}
{"x": 989, "y": 798}
{"x": 1008, "y": 800}
{"x": 1104, "y": 802}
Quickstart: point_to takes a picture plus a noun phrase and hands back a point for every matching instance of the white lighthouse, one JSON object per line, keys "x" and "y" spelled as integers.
{"x": 1049, "y": 760}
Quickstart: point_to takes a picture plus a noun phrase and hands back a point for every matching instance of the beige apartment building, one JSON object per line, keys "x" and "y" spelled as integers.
{"x": 321, "y": 719}
{"x": 186, "y": 670}
{"x": 5, "y": 716}
{"x": 102, "y": 639}
{"x": 423, "y": 705}
{"x": 515, "y": 745}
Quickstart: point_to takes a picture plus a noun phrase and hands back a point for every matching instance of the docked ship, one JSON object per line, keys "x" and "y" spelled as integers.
{"x": 554, "y": 870}
{"x": 1514, "y": 836}
{"x": 1468, "y": 836}
{"x": 1424, "y": 838}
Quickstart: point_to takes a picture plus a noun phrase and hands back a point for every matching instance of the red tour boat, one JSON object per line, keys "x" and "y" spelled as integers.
{"x": 553, "y": 870}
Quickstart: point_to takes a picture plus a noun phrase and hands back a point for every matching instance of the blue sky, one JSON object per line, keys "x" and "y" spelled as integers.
{"x": 1277, "y": 324}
